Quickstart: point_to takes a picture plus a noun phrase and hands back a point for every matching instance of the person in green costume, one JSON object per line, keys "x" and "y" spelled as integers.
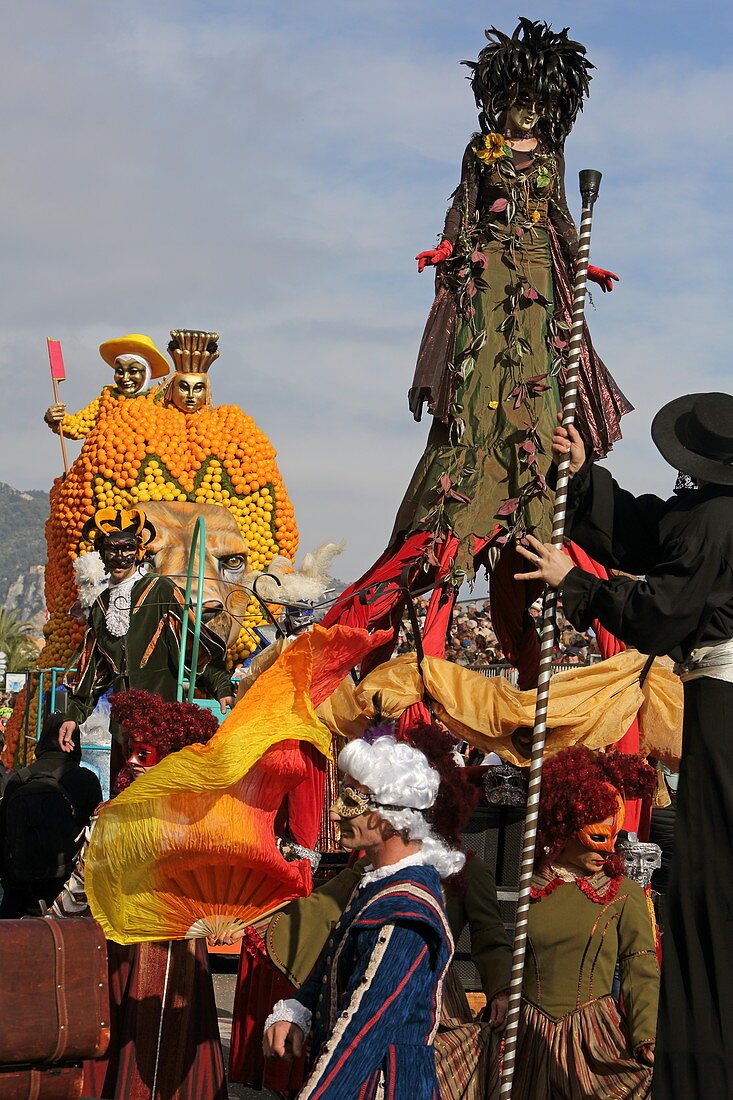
{"x": 492, "y": 357}
{"x": 586, "y": 917}
{"x": 134, "y": 628}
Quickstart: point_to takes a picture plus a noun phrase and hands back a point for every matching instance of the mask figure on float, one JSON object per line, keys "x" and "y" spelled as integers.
{"x": 134, "y": 628}
{"x": 135, "y": 361}
{"x": 189, "y": 390}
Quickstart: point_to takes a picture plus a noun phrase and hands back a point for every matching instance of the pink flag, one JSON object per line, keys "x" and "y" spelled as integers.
{"x": 56, "y": 359}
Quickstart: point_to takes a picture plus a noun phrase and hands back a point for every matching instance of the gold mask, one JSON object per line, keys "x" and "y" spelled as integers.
{"x": 190, "y": 392}
{"x": 351, "y": 803}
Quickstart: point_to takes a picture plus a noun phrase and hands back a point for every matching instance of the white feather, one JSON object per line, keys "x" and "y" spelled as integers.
{"x": 306, "y": 584}
{"x": 90, "y": 577}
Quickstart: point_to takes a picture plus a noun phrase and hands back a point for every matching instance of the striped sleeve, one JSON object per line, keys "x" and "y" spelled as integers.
{"x": 72, "y": 901}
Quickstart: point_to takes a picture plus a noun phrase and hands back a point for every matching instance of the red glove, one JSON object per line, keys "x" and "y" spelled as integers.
{"x": 436, "y": 255}
{"x": 602, "y": 277}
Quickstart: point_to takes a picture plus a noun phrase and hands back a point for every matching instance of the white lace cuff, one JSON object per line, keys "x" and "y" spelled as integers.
{"x": 292, "y": 1011}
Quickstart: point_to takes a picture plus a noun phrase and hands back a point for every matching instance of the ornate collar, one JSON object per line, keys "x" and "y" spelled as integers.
{"x": 598, "y": 887}
{"x": 372, "y": 874}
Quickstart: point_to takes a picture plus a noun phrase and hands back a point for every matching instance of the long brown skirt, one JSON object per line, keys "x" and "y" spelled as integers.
{"x": 583, "y": 1056}
{"x": 164, "y": 1042}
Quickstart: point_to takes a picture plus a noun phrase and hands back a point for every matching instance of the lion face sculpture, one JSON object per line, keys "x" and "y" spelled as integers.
{"x": 225, "y": 564}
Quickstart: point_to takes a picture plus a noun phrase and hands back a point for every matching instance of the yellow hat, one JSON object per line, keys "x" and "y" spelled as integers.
{"x": 136, "y": 345}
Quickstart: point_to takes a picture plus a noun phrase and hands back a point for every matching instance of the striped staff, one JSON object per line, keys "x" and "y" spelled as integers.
{"x": 589, "y": 184}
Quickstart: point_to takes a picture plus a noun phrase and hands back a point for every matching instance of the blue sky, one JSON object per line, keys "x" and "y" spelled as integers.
{"x": 269, "y": 169}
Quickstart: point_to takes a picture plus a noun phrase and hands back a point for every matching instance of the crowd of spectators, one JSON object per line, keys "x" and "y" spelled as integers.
{"x": 473, "y": 643}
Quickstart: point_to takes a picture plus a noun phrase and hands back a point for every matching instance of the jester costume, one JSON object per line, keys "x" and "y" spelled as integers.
{"x": 146, "y": 657}
{"x": 133, "y": 636}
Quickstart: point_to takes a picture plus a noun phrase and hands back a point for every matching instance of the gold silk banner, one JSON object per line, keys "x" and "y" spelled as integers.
{"x": 592, "y": 705}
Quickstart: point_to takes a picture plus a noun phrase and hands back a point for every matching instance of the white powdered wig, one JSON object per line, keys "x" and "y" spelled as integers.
{"x": 400, "y": 777}
{"x": 397, "y": 774}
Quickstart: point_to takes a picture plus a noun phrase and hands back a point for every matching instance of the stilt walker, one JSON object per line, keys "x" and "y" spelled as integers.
{"x": 493, "y": 360}
{"x": 589, "y": 185}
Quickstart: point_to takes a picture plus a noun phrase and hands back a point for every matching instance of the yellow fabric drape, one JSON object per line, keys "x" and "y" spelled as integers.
{"x": 593, "y": 705}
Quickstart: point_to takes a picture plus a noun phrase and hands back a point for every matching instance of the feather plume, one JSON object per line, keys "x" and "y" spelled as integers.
{"x": 549, "y": 63}
{"x": 90, "y": 578}
{"x": 305, "y": 584}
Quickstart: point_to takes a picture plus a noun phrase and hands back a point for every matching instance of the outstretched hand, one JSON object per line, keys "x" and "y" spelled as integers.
{"x": 605, "y": 279}
{"x": 551, "y": 564}
{"x": 434, "y": 255}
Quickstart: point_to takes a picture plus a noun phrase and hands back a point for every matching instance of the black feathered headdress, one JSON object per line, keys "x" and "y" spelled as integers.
{"x": 535, "y": 58}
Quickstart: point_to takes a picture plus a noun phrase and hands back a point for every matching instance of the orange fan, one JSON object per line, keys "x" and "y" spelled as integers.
{"x": 189, "y": 848}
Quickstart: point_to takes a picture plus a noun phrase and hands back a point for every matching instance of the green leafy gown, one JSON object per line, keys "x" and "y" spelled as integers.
{"x": 492, "y": 359}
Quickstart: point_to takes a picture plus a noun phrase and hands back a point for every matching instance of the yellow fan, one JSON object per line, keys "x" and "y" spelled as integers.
{"x": 189, "y": 848}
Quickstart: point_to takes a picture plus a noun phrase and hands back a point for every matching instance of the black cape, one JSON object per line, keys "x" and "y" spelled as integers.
{"x": 684, "y": 549}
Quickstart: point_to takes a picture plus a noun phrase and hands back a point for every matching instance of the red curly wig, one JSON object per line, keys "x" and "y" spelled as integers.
{"x": 168, "y": 726}
{"x": 574, "y": 795}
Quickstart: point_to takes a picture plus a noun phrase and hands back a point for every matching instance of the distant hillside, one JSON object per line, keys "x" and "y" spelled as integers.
{"x": 22, "y": 549}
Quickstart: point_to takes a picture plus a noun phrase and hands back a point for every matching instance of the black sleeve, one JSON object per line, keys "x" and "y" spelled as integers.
{"x": 619, "y": 530}
{"x": 656, "y": 614}
{"x": 464, "y": 193}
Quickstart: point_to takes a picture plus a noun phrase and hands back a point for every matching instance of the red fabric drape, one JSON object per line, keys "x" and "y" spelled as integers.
{"x": 300, "y": 811}
{"x": 637, "y": 820}
{"x": 357, "y": 605}
{"x": 510, "y": 618}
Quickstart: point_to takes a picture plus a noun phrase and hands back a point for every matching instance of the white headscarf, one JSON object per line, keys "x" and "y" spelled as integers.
{"x": 129, "y": 357}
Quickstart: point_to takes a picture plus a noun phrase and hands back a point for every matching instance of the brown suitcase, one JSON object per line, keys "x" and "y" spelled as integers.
{"x": 54, "y": 994}
{"x": 52, "y": 1083}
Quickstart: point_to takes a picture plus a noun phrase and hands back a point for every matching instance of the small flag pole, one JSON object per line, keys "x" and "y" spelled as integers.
{"x": 58, "y": 374}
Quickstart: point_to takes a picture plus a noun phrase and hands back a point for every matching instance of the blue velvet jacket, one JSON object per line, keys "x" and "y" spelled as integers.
{"x": 376, "y": 990}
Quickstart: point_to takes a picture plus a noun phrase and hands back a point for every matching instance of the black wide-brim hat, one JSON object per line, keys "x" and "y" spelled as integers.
{"x": 694, "y": 434}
